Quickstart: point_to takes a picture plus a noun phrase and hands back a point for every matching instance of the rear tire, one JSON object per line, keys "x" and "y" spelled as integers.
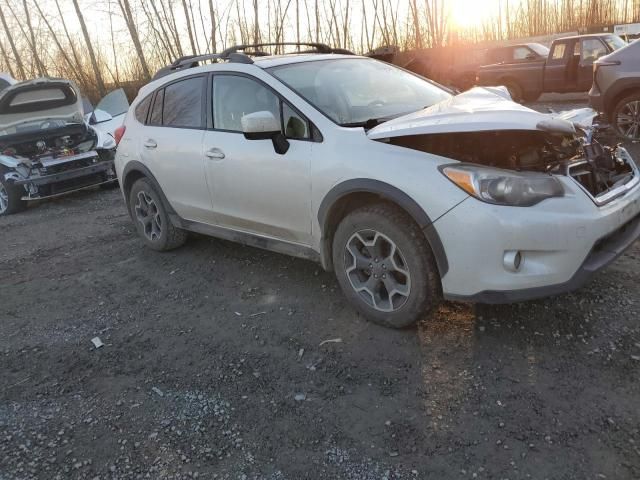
{"x": 152, "y": 219}
{"x": 385, "y": 267}
{"x": 625, "y": 117}
{"x": 10, "y": 197}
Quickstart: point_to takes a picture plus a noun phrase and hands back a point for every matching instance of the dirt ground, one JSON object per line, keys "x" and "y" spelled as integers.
{"x": 213, "y": 367}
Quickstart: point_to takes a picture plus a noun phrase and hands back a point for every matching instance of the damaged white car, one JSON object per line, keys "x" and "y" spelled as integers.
{"x": 49, "y": 146}
{"x": 409, "y": 193}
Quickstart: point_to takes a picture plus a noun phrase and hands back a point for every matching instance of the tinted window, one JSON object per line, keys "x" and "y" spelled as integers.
{"x": 142, "y": 109}
{"x": 155, "y": 117}
{"x": 182, "y": 106}
{"x": 592, "y": 49}
{"x": 234, "y": 97}
{"x": 558, "y": 51}
{"x": 3, "y": 84}
{"x": 295, "y": 126}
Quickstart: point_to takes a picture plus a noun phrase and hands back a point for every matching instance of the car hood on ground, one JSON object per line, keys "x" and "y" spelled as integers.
{"x": 39, "y": 100}
{"x": 479, "y": 109}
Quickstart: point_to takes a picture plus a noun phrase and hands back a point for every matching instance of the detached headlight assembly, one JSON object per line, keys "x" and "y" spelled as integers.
{"x": 504, "y": 187}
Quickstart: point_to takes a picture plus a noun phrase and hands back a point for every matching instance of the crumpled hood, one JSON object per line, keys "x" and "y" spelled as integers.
{"x": 39, "y": 100}
{"x": 479, "y": 109}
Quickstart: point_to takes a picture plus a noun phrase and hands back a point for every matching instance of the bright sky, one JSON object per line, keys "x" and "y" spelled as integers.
{"x": 462, "y": 13}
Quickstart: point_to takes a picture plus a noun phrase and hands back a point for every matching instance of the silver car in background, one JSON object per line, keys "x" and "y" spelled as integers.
{"x": 616, "y": 90}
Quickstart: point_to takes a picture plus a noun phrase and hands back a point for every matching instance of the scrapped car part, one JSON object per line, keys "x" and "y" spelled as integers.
{"x": 46, "y": 146}
{"x": 410, "y": 194}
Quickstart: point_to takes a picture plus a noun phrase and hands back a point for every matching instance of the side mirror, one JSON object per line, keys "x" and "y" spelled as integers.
{"x": 99, "y": 116}
{"x": 264, "y": 126}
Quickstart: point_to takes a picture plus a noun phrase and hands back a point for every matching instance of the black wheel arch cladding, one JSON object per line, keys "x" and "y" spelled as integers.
{"x": 385, "y": 192}
{"x": 135, "y": 170}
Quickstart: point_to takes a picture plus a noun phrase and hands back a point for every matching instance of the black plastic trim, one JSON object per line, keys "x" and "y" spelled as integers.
{"x": 246, "y": 238}
{"x": 136, "y": 166}
{"x": 385, "y": 191}
{"x": 71, "y": 174}
{"x": 604, "y": 252}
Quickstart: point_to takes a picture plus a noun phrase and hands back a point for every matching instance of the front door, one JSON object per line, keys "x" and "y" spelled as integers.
{"x": 253, "y": 188}
{"x": 592, "y": 49}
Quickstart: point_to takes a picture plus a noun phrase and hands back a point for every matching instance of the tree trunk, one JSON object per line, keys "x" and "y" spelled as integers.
{"x": 12, "y": 44}
{"x": 42, "y": 69}
{"x": 133, "y": 31}
{"x": 186, "y": 14}
{"x": 94, "y": 62}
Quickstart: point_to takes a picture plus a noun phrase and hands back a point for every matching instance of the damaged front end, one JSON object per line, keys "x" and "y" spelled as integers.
{"x": 48, "y": 166}
{"x": 492, "y": 136}
{"x": 46, "y": 147}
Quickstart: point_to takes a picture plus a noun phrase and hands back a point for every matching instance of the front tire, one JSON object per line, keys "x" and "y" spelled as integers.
{"x": 151, "y": 218}
{"x": 625, "y": 117}
{"x": 385, "y": 266}
{"x": 515, "y": 90}
{"x": 10, "y": 197}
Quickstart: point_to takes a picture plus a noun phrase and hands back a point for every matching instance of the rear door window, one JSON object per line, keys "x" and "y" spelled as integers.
{"x": 183, "y": 104}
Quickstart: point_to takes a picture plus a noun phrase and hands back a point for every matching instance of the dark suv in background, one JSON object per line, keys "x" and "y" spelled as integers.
{"x": 616, "y": 90}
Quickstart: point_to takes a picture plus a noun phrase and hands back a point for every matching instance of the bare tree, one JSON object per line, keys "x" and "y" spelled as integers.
{"x": 125, "y": 7}
{"x": 94, "y": 62}
{"x": 12, "y": 44}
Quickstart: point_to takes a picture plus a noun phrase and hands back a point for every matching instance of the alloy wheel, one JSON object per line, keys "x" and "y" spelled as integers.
{"x": 4, "y": 198}
{"x": 628, "y": 120}
{"x": 148, "y": 215}
{"x": 377, "y": 270}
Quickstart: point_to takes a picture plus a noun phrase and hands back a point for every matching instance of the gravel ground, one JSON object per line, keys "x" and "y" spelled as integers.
{"x": 213, "y": 366}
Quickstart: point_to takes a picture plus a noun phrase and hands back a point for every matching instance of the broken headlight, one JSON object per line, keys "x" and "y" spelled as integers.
{"x": 504, "y": 187}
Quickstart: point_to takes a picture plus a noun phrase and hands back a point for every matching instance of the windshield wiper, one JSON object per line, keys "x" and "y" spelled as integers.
{"x": 367, "y": 124}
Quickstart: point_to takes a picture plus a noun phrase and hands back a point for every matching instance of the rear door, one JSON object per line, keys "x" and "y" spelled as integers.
{"x": 171, "y": 146}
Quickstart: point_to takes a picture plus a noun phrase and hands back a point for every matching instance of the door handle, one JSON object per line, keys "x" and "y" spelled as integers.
{"x": 215, "y": 153}
{"x": 150, "y": 143}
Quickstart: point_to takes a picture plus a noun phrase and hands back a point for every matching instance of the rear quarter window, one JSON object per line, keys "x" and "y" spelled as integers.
{"x": 142, "y": 109}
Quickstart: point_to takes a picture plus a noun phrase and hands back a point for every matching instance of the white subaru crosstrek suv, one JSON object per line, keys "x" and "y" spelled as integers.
{"x": 409, "y": 193}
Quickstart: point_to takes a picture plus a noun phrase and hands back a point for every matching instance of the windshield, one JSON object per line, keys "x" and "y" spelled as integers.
{"x": 539, "y": 49}
{"x": 352, "y": 91}
{"x": 615, "y": 42}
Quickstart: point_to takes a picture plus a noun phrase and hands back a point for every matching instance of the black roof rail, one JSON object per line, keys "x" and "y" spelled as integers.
{"x": 239, "y": 54}
{"x": 317, "y": 47}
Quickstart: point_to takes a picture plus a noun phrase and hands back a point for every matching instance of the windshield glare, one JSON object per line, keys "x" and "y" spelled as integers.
{"x": 615, "y": 42}
{"x": 352, "y": 91}
{"x": 539, "y": 49}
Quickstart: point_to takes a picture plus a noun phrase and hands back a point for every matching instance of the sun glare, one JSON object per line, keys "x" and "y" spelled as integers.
{"x": 470, "y": 13}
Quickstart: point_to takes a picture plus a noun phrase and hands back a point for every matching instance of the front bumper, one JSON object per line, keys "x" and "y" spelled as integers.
{"x": 40, "y": 187}
{"x": 563, "y": 242}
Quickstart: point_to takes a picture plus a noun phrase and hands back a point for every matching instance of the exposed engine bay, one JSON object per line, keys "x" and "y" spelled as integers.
{"x": 597, "y": 168}
{"x": 55, "y": 159}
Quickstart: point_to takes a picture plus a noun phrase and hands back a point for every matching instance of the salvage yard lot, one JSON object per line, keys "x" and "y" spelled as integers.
{"x": 212, "y": 365}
